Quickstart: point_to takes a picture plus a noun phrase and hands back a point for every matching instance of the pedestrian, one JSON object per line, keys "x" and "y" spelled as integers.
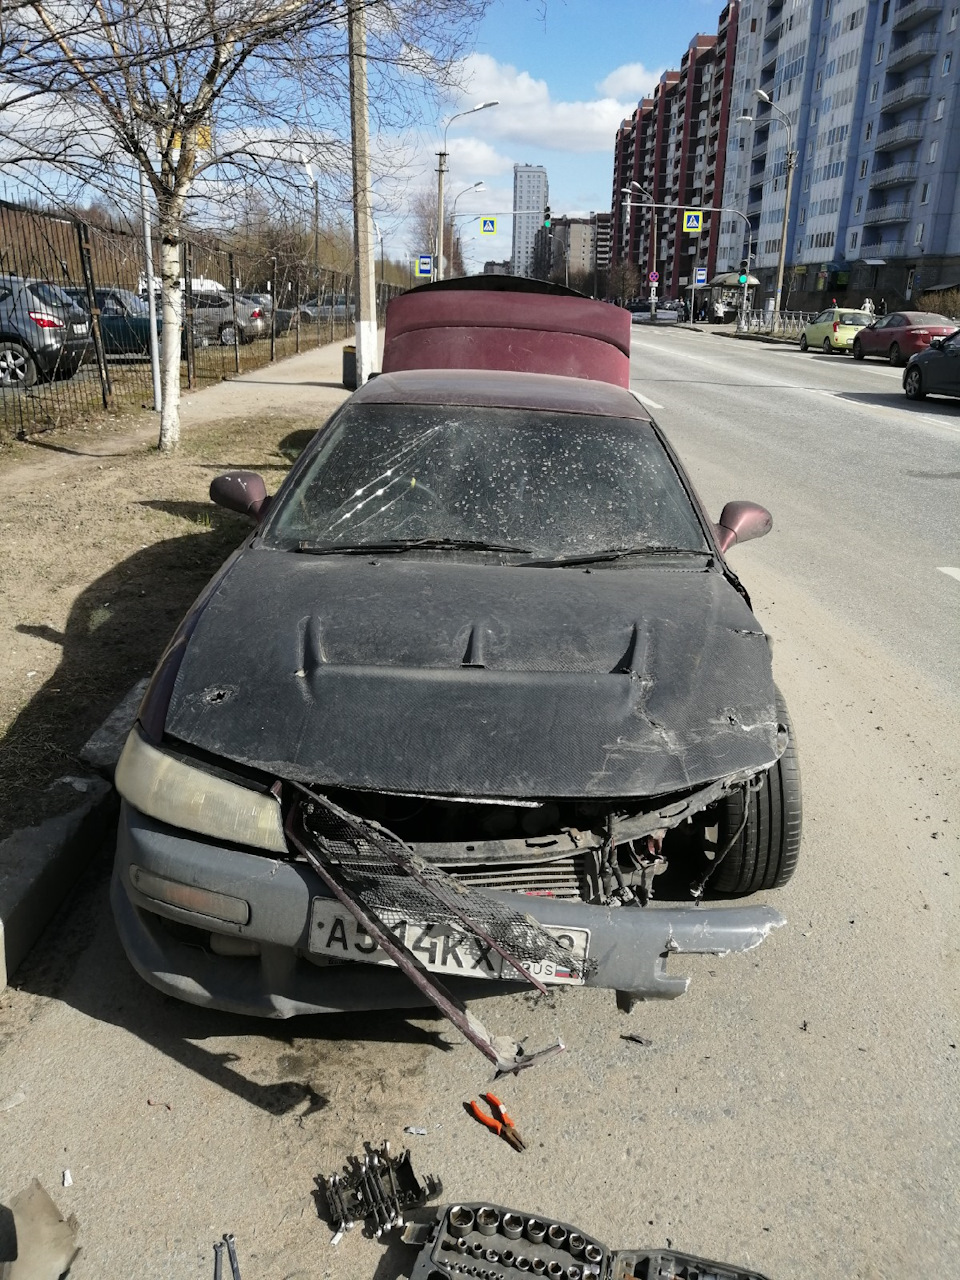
{"x": 882, "y": 307}
{"x": 868, "y": 306}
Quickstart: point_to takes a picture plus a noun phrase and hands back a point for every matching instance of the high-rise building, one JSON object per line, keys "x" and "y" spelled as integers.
{"x": 674, "y": 147}
{"x": 869, "y": 88}
{"x": 531, "y": 195}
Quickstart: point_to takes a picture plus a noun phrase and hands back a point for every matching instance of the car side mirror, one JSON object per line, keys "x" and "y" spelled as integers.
{"x": 936, "y": 343}
{"x": 740, "y": 522}
{"x": 242, "y": 491}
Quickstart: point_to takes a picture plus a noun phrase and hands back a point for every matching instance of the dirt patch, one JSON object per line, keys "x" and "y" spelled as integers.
{"x": 104, "y": 545}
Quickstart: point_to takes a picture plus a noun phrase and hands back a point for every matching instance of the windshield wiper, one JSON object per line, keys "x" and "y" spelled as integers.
{"x": 614, "y": 553}
{"x": 398, "y": 545}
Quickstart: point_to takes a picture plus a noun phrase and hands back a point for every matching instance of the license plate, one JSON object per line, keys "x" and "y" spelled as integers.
{"x": 79, "y": 328}
{"x": 441, "y": 948}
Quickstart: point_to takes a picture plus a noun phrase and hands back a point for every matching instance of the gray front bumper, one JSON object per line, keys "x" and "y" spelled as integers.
{"x": 629, "y": 945}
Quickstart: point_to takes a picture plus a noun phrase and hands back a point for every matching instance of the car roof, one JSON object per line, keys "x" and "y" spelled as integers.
{"x": 502, "y": 389}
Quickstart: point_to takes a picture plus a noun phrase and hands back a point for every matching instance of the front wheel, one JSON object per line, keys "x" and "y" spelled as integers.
{"x": 913, "y": 384}
{"x": 896, "y": 359}
{"x": 857, "y": 349}
{"x": 18, "y": 369}
{"x": 764, "y": 855}
{"x": 803, "y": 342}
{"x": 227, "y": 335}
{"x": 827, "y": 349}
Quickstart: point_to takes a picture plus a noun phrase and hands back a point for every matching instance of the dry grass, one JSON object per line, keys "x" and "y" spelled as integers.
{"x": 105, "y": 544}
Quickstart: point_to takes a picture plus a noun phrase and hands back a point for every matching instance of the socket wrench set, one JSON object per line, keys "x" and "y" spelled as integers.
{"x": 489, "y": 1242}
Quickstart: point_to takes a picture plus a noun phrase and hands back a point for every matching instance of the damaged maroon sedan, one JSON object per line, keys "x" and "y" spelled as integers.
{"x": 480, "y": 674}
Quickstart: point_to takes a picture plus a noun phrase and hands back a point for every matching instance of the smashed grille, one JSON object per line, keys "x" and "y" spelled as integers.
{"x": 396, "y": 884}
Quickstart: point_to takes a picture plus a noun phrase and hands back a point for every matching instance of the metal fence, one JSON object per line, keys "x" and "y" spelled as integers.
{"x": 307, "y": 307}
{"x": 776, "y": 324}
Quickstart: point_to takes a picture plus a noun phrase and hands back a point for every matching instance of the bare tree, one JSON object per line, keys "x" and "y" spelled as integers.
{"x": 204, "y": 97}
{"x": 423, "y": 215}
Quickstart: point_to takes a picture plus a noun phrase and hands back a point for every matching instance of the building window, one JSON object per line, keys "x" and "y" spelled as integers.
{"x": 819, "y": 79}
{"x": 885, "y": 12}
{"x": 753, "y": 24}
{"x": 954, "y": 16}
{"x": 932, "y": 153}
{"x": 874, "y": 90}
{"x": 806, "y": 182}
{"x": 938, "y": 114}
{"x": 815, "y": 115}
{"x": 925, "y": 193}
{"x": 918, "y": 234}
{"x": 863, "y": 169}
{"x": 869, "y": 133}
{"x": 947, "y": 63}
{"x": 854, "y": 239}
{"x": 859, "y": 205}
{"x": 880, "y": 49}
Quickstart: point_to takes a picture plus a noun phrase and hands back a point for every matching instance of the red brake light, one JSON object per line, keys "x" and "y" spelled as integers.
{"x": 43, "y": 321}
{"x": 256, "y": 314}
{"x": 835, "y": 326}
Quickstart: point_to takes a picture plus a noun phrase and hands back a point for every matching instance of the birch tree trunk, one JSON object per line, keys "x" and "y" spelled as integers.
{"x": 172, "y": 305}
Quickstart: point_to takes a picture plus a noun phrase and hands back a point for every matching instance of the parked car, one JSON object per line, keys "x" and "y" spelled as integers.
{"x": 43, "y": 333}
{"x": 485, "y": 639}
{"x": 124, "y": 319}
{"x": 834, "y": 329}
{"x": 900, "y": 335}
{"x": 213, "y": 318}
{"x": 935, "y": 370}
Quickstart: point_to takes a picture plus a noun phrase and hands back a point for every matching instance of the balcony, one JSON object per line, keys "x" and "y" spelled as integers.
{"x": 914, "y": 12}
{"x": 895, "y": 174}
{"x": 887, "y": 213}
{"x": 902, "y": 136}
{"x": 919, "y": 49}
{"x": 887, "y": 249}
{"x": 916, "y": 90}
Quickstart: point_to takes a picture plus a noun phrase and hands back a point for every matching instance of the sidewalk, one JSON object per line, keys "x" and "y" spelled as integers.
{"x": 105, "y": 544}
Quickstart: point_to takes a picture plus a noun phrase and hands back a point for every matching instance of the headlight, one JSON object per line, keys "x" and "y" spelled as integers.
{"x": 184, "y": 796}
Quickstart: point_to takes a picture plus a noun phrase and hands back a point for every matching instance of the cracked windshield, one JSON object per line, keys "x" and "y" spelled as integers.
{"x": 510, "y": 479}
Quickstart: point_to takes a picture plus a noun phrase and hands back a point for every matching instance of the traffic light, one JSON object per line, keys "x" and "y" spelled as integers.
{"x": 546, "y": 218}
{"x": 743, "y": 272}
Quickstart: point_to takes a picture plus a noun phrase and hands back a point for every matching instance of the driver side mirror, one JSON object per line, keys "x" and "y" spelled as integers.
{"x": 242, "y": 491}
{"x": 740, "y": 522}
{"x": 936, "y": 344}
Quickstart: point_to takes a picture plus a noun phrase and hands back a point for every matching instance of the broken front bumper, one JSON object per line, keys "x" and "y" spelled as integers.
{"x": 269, "y": 904}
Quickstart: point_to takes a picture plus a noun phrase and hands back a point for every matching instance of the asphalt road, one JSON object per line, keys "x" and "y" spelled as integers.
{"x": 797, "y": 1110}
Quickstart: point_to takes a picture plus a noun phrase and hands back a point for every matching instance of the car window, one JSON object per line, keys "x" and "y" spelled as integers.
{"x": 930, "y": 317}
{"x": 952, "y": 343}
{"x": 50, "y": 294}
{"x": 558, "y": 484}
{"x": 135, "y": 306}
{"x": 860, "y": 318}
{"x": 823, "y": 317}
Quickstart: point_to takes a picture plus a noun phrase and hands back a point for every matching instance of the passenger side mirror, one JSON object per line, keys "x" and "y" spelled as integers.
{"x": 242, "y": 491}
{"x": 740, "y": 522}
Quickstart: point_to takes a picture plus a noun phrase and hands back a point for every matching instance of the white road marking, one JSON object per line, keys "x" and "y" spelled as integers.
{"x": 646, "y": 402}
{"x": 951, "y": 573}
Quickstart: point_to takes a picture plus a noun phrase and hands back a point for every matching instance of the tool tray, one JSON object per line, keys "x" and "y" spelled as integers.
{"x": 489, "y": 1242}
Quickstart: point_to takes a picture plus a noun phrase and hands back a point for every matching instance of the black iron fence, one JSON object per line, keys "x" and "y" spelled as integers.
{"x": 241, "y": 311}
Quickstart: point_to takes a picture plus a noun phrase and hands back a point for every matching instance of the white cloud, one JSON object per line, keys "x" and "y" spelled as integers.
{"x": 633, "y": 80}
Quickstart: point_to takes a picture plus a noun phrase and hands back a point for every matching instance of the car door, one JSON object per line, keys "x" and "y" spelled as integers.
{"x": 871, "y": 338}
{"x": 818, "y": 328}
{"x": 942, "y": 373}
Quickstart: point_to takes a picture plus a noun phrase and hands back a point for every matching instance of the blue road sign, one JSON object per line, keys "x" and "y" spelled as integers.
{"x": 424, "y": 265}
{"x": 488, "y": 226}
{"x": 692, "y": 220}
{"x": 700, "y": 276}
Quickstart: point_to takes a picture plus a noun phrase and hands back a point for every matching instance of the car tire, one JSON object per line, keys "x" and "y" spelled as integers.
{"x": 765, "y": 854}
{"x": 857, "y": 349}
{"x": 827, "y": 348}
{"x": 227, "y": 335}
{"x": 896, "y": 357}
{"x": 803, "y": 342}
{"x": 913, "y": 384}
{"x": 18, "y": 369}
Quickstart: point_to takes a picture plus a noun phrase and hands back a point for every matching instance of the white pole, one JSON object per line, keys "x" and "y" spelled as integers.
{"x": 365, "y": 279}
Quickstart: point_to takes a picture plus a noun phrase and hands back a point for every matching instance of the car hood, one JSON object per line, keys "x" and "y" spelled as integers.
{"x": 479, "y": 679}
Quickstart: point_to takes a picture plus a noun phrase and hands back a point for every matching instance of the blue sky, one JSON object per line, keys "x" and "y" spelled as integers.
{"x": 566, "y": 72}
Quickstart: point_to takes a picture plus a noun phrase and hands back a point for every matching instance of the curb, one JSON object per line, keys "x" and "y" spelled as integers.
{"x": 40, "y": 865}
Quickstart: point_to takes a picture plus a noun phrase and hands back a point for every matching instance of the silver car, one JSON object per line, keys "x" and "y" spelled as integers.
{"x": 44, "y": 334}
{"x": 213, "y": 318}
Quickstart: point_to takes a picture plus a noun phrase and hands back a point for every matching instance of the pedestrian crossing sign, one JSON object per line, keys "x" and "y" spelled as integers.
{"x": 693, "y": 221}
{"x": 488, "y": 226}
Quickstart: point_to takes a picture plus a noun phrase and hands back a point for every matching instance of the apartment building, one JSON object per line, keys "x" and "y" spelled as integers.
{"x": 531, "y": 195}
{"x": 674, "y": 146}
{"x": 867, "y": 88}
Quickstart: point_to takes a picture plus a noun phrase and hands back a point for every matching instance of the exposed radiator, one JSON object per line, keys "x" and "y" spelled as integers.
{"x": 561, "y": 879}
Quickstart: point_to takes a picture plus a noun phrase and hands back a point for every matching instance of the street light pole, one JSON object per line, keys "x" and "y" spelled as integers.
{"x": 653, "y": 236}
{"x": 791, "y": 163}
{"x": 476, "y": 186}
{"x": 441, "y": 169}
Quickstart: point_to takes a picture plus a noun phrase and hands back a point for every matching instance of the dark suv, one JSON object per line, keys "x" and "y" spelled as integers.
{"x": 43, "y": 332}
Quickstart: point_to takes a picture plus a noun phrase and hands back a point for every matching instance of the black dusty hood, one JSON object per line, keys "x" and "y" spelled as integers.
{"x": 478, "y": 679}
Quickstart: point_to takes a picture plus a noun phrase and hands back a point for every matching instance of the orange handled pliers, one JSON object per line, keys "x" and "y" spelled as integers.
{"x": 499, "y": 1121}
